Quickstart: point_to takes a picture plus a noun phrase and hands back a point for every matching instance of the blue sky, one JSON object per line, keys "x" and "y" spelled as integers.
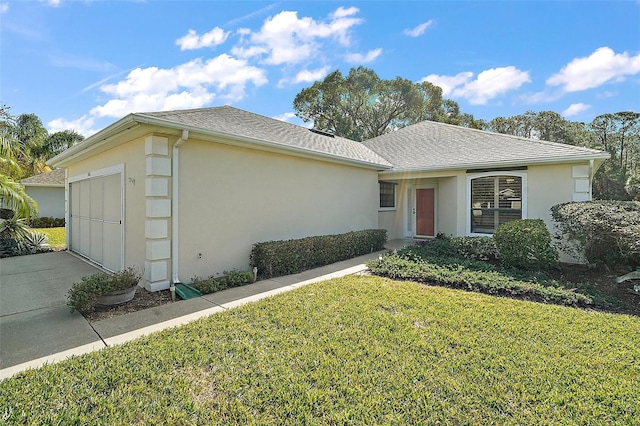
{"x": 84, "y": 64}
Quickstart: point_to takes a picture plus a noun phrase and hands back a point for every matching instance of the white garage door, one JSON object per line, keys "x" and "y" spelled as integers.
{"x": 95, "y": 206}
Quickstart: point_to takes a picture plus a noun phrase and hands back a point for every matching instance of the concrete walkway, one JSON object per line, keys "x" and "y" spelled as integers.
{"x": 36, "y": 326}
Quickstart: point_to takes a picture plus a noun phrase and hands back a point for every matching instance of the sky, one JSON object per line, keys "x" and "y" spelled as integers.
{"x": 83, "y": 65}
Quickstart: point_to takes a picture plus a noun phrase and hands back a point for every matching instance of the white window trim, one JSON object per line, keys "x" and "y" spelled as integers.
{"x": 395, "y": 197}
{"x": 525, "y": 191}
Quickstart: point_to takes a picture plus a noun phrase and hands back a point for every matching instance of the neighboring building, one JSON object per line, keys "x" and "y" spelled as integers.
{"x": 185, "y": 193}
{"x": 47, "y": 189}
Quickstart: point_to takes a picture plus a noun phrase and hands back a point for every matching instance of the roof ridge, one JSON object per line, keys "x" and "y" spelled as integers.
{"x": 488, "y": 132}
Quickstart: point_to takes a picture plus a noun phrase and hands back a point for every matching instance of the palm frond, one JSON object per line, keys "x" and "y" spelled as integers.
{"x": 14, "y": 197}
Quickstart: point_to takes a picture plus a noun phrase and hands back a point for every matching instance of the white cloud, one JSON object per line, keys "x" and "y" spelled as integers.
{"x": 606, "y": 94}
{"x": 193, "y": 41}
{"x": 487, "y": 85}
{"x": 287, "y": 116}
{"x": 4, "y": 7}
{"x": 575, "y": 109}
{"x": 185, "y": 86}
{"x": 602, "y": 66}
{"x": 449, "y": 82}
{"x": 52, "y": 3}
{"x": 309, "y": 76}
{"x": 341, "y": 12}
{"x": 359, "y": 58}
{"x": 419, "y": 30}
{"x": 305, "y": 76}
{"x": 287, "y": 39}
{"x": 83, "y": 125}
{"x": 190, "y": 85}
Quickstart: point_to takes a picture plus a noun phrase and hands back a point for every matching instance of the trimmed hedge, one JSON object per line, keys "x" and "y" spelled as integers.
{"x": 525, "y": 244}
{"x": 600, "y": 232}
{"x": 47, "y": 222}
{"x": 277, "y": 258}
{"x": 228, "y": 279}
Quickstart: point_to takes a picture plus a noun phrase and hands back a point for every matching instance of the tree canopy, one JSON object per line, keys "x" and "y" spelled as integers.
{"x": 362, "y": 105}
{"x": 25, "y": 146}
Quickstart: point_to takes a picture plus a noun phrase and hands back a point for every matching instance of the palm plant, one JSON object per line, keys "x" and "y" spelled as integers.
{"x": 12, "y": 194}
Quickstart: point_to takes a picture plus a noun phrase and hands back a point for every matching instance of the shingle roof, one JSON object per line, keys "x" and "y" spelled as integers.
{"x": 436, "y": 146}
{"x": 52, "y": 178}
{"x": 236, "y": 122}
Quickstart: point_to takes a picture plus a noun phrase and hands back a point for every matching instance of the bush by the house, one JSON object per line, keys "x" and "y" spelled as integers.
{"x": 47, "y": 222}
{"x": 600, "y": 232}
{"x": 277, "y": 258}
{"x": 525, "y": 244}
{"x": 83, "y": 295}
{"x": 229, "y": 279}
{"x": 473, "y": 276}
{"x": 17, "y": 239}
{"x": 476, "y": 248}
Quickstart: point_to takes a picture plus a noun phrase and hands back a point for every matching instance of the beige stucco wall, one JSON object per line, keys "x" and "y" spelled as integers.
{"x": 231, "y": 198}
{"x": 50, "y": 200}
{"x": 548, "y": 186}
{"x": 133, "y": 157}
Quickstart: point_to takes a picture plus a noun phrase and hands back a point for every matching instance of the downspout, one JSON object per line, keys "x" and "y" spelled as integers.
{"x": 591, "y": 176}
{"x": 175, "y": 174}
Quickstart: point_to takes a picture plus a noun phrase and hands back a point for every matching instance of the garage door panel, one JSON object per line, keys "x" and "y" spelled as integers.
{"x": 75, "y": 232}
{"x": 112, "y": 238}
{"x": 96, "y": 241}
{"x": 96, "y": 219}
{"x": 96, "y": 198}
{"x": 85, "y": 236}
{"x": 75, "y": 195}
{"x": 85, "y": 198}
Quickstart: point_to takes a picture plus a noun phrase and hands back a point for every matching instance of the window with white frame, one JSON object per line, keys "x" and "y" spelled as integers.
{"x": 495, "y": 200}
{"x": 387, "y": 195}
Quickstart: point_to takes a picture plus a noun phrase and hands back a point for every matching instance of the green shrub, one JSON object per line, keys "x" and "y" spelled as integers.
{"x": 47, "y": 222}
{"x": 277, "y": 258}
{"x": 83, "y": 296}
{"x": 525, "y": 244}
{"x": 599, "y": 232}
{"x": 489, "y": 281}
{"x": 476, "y": 248}
{"x": 17, "y": 239}
{"x": 229, "y": 279}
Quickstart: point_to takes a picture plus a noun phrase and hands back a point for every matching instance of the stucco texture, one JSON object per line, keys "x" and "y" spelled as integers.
{"x": 232, "y": 198}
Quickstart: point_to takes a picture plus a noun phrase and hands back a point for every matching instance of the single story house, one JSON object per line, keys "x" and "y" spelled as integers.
{"x": 186, "y": 193}
{"x": 47, "y": 189}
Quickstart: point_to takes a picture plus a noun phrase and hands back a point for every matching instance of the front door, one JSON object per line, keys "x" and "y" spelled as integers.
{"x": 425, "y": 212}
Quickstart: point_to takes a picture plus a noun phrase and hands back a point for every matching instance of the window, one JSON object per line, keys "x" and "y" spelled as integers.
{"x": 495, "y": 200}
{"x": 387, "y": 195}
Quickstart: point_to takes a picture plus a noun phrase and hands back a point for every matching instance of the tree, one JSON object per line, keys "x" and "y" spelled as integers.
{"x": 58, "y": 142}
{"x": 362, "y": 105}
{"x": 12, "y": 194}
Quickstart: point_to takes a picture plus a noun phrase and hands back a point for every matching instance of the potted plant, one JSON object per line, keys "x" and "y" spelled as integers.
{"x": 103, "y": 289}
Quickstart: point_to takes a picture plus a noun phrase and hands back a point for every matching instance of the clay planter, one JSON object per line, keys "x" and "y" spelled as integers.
{"x": 117, "y": 297}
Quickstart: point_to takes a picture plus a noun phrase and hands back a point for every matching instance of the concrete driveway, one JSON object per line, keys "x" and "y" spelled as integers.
{"x": 34, "y": 318}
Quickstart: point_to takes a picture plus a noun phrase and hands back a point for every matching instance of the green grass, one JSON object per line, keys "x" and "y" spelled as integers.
{"x": 357, "y": 350}
{"x": 57, "y": 236}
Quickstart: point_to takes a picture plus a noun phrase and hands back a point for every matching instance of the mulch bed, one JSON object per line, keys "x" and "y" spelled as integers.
{"x": 142, "y": 300}
{"x": 581, "y": 275}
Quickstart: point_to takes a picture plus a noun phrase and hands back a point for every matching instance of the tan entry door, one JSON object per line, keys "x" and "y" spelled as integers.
{"x": 425, "y": 212}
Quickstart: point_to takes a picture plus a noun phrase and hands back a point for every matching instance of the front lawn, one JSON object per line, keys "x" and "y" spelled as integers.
{"x": 357, "y": 350}
{"x": 57, "y": 236}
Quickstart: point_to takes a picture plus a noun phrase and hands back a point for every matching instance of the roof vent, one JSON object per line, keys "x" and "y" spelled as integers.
{"x": 323, "y": 133}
